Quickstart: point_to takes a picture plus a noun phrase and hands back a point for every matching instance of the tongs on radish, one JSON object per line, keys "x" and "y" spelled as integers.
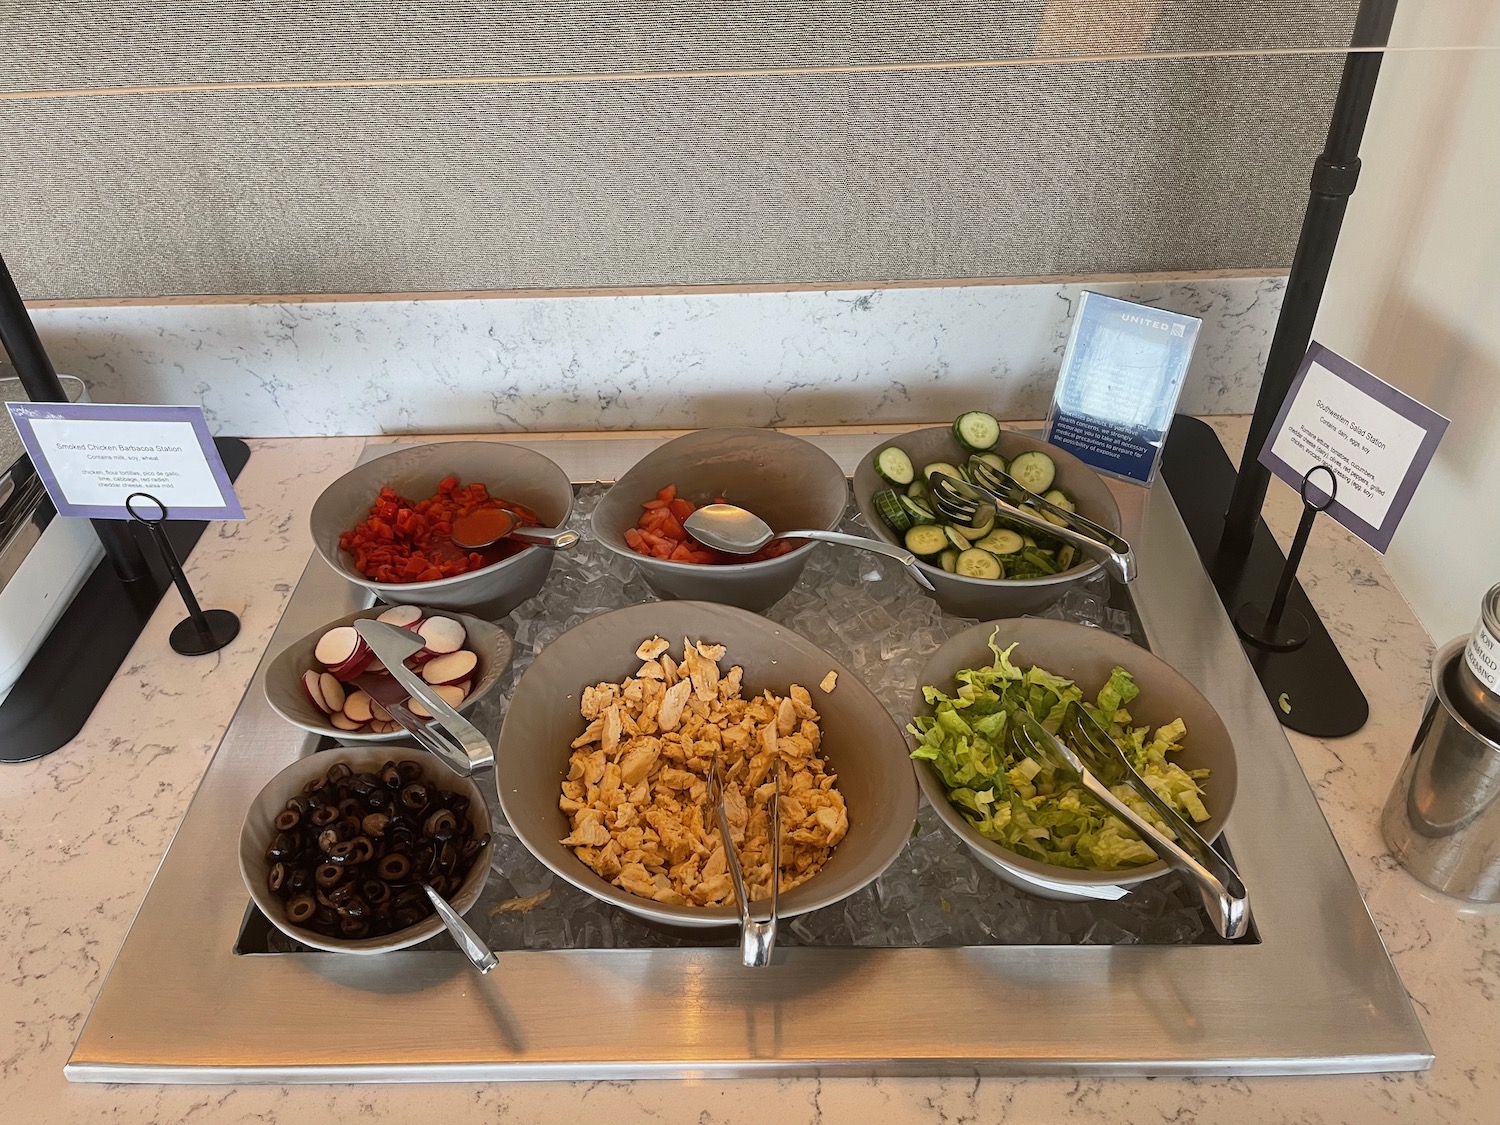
{"x": 449, "y": 736}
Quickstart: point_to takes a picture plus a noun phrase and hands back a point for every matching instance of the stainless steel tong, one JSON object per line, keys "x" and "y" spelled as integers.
{"x": 757, "y": 938}
{"x": 960, "y": 500}
{"x": 1099, "y": 763}
{"x": 449, "y": 736}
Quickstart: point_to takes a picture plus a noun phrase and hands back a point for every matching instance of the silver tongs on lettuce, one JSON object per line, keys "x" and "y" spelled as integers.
{"x": 1099, "y": 763}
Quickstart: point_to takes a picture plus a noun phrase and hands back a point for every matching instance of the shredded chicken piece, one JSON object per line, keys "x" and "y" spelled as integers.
{"x": 637, "y": 781}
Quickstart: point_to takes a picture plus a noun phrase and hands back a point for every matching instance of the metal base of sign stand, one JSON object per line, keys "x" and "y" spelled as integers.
{"x": 1310, "y": 687}
{"x": 63, "y": 683}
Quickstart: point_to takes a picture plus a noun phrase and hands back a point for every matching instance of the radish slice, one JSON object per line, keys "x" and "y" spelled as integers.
{"x": 446, "y": 692}
{"x": 337, "y": 646}
{"x": 379, "y": 712}
{"x": 441, "y": 635}
{"x": 357, "y": 707}
{"x": 403, "y": 616}
{"x": 333, "y": 691}
{"x": 312, "y": 684}
{"x": 453, "y": 668}
{"x": 344, "y": 722}
{"x": 356, "y": 664}
{"x": 465, "y": 687}
{"x": 375, "y": 666}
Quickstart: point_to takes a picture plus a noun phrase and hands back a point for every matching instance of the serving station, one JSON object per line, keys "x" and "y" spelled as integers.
{"x": 203, "y": 990}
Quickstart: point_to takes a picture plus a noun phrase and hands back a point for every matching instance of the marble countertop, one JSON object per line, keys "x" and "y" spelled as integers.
{"x": 84, "y": 829}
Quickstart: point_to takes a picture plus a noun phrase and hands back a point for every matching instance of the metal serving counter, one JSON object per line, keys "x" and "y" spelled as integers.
{"x": 1315, "y": 993}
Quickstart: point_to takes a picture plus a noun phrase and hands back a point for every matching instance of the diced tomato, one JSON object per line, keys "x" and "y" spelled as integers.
{"x": 659, "y": 534}
{"x": 405, "y": 541}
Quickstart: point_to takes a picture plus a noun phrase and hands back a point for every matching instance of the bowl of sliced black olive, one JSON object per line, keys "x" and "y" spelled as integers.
{"x": 336, "y": 848}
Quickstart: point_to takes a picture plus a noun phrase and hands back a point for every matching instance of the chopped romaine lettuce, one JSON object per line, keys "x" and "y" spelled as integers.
{"x": 1024, "y": 803}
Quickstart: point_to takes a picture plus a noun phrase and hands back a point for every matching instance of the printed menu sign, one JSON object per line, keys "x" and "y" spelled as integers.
{"x": 1121, "y": 375}
{"x": 1377, "y": 440}
{"x": 92, "y": 456}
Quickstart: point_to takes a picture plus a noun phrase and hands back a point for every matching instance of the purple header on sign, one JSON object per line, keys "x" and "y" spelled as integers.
{"x": 25, "y": 414}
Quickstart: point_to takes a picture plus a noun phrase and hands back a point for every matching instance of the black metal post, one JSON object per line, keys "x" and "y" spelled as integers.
{"x": 1333, "y": 179}
{"x": 40, "y": 379}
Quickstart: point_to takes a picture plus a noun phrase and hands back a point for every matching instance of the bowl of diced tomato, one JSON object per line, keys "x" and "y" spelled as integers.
{"x": 385, "y": 525}
{"x": 788, "y": 482}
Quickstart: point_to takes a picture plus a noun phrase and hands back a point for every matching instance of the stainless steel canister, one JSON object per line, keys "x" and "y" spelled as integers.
{"x": 1442, "y": 820}
{"x": 1479, "y": 671}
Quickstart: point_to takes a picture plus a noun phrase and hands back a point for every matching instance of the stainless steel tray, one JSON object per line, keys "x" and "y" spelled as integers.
{"x": 1314, "y": 993}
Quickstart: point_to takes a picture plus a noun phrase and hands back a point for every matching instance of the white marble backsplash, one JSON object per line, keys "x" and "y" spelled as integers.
{"x": 635, "y": 361}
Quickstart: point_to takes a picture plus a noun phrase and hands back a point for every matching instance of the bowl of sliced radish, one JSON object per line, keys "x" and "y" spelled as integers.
{"x": 992, "y": 568}
{"x": 328, "y": 682}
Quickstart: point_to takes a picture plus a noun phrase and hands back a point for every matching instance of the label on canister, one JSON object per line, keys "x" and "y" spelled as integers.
{"x": 1482, "y": 656}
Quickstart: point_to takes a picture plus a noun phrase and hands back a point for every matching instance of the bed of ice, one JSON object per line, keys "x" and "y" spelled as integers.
{"x": 866, "y": 613}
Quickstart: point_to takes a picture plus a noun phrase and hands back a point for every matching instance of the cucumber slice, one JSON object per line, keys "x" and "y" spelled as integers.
{"x": 1043, "y": 561}
{"x": 973, "y": 534}
{"x": 948, "y": 559}
{"x": 894, "y": 466}
{"x": 976, "y": 431}
{"x": 993, "y": 459}
{"x": 940, "y": 467}
{"x": 1034, "y": 471}
{"x": 955, "y": 536}
{"x": 1002, "y": 542}
{"x": 1054, "y": 519}
{"x": 888, "y": 508}
{"x": 926, "y": 541}
{"x": 918, "y": 490}
{"x": 917, "y": 511}
{"x": 975, "y": 563}
{"x": 1061, "y": 499}
{"x": 1065, "y": 557}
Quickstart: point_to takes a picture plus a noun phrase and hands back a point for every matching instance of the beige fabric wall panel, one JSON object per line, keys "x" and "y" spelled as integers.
{"x": 71, "y": 44}
{"x": 1064, "y": 169}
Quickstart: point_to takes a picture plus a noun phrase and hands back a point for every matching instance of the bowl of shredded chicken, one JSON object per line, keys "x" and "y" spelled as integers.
{"x": 604, "y": 759}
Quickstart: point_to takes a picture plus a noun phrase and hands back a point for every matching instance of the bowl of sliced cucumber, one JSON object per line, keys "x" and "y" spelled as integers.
{"x": 981, "y": 563}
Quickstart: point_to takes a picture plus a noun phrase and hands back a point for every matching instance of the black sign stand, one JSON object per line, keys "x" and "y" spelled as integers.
{"x": 203, "y": 631}
{"x": 1310, "y": 687}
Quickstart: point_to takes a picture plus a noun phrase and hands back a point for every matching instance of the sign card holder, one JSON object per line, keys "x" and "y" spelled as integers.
{"x": 107, "y": 461}
{"x": 1376, "y": 440}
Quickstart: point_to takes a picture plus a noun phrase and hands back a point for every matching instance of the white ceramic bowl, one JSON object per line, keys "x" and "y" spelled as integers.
{"x": 981, "y": 597}
{"x": 511, "y": 472}
{"x": 285, "y": 694}
{"x": 860, "y": 742}
{"x": 258, "y": 831}
{"x": 790, "y": 483}
{"x": 1086, "y": 656}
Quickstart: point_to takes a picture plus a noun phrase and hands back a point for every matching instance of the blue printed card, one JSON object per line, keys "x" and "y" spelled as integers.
{"x": 1121, "y": 376}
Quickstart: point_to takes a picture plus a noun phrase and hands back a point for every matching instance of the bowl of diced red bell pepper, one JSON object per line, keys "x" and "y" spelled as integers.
{"x": 386, "y": 524}
{"x": 789, "y": 483}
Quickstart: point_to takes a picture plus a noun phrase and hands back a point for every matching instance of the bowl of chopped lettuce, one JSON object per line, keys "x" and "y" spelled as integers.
{"x": 1027, "y": 820}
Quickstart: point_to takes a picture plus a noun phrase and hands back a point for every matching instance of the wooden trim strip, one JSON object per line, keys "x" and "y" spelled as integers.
{"x": 645, "y": 290}
{"x": 725, "y": 72}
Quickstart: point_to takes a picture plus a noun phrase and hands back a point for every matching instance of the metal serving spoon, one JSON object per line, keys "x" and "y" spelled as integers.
{"x": 487, "y": 526}
{"x": 735, "y": 531}
{"x": 480, "y": 955}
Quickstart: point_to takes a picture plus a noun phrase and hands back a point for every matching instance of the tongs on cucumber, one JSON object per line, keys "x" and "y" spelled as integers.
{"x": 959, "y": 500}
